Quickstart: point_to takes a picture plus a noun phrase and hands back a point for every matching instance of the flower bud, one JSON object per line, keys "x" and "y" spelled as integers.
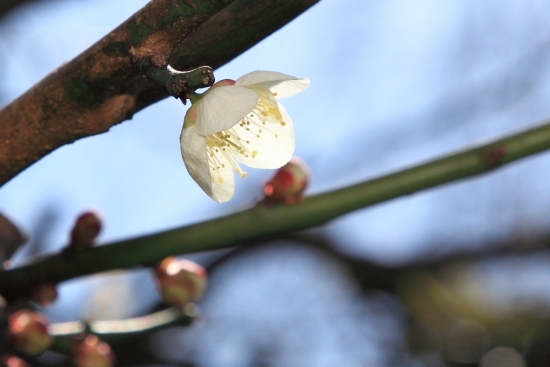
{"x": 28, "y": 332}
{"x": 43, "y": 294}
{"x": 13, "y": 361}
{"x": 86, "y": 228}
{"x": 180, "y": 281}
{"x": 92, "y": 352}
{"x": 288, "y": 184}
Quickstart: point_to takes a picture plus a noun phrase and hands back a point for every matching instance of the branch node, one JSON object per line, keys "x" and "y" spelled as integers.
{"x": 494, "y": 156}
{"x": 175, "y": 82}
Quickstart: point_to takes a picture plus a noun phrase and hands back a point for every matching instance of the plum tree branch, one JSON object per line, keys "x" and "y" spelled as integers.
{"x": 113, "y": 331}
{"x": 263, "y": 222}
{"x": 104, "y": 85}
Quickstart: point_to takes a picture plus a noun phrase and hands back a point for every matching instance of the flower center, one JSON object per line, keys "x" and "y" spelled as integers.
{"x": 257, "y": 121}
{"x": 222, "y": 147}
{"x": 248, "y": 138}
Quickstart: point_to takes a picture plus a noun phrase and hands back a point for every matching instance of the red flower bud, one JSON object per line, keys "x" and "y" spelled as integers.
{"x": 86, "y": 228}
{"x": 180, "y": 281}
{"x": 92, "y": 352}
{"x": 28, "y": 332}
{"x": 43, "y": 294}
{"x": 13, "y": 361}
{"x": 288, "y": 184}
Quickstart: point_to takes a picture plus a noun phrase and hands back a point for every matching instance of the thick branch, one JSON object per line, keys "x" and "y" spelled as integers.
{"x": 104, "y": 86}
{"x": 243, "y": 23}
{"x": 261, "y": 222}
{"x": 98, "y": 88}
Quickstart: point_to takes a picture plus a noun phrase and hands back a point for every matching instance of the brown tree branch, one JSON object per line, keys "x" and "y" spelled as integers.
{"x": 104, "y": 86}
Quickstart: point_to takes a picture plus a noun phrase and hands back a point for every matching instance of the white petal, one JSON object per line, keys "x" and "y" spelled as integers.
{"x": 223, "y": 107}
{"x": 222, "y": 177}
{"x": 280, "y": 84}
{"x": 223, "y": 190}
{"x": 218, "y": 184}
{"x": 195, "y": 157}
{"x": 191, "y": 115}
{"x": 268, "y": 144}
{"x": 261, "y": 76}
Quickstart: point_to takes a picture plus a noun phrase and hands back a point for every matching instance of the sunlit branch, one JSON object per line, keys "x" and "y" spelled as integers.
{"x": 261, "y": 222}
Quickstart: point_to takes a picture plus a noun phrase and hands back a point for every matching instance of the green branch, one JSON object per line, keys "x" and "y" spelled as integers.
{"x": 261, "y": 222}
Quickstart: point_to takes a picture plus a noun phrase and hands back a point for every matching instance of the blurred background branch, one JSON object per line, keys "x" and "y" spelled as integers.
{"x": 8, "y": 5}
{"x": 122, "y": 331}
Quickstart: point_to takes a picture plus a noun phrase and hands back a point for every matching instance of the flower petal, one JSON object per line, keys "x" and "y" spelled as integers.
{"x": 222, "y": 177}
{"x": 281, "y": 85}
{"x": 191, "y": 116}
{"x": 223, "y": 107}
{"x": 195, "y": 157}
{"x": 219, "y": 184}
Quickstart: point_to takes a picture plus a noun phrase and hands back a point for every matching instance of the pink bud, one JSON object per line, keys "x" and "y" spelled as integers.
{"x": 180, "y": 281}
{"x": 28, "y": 332}
{"x": 86, "y": 228}
{"x": 43, "y": 294}
{"x": 288, "y": 184}
{"x": 13, "y": 361}
{"x": 92, "y": 352}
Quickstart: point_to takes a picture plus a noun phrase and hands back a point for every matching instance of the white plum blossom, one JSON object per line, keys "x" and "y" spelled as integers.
{"x": 238, "y": 121}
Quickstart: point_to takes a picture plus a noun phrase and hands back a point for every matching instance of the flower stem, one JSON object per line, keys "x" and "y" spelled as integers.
{"x": 194, "y": 96}
{"x": 263, "y": 222}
